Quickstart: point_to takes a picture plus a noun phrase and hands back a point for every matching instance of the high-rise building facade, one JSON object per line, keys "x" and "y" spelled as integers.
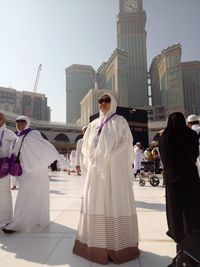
{"x": 79, "y": 80}
{"x": 155, "y": 82}
{"x": 131, "y": 37}
{"x": 175, "y": 85}
{"x": 31, "y": 104}
{"x": 113, "y": 76}
{"x": 8, "y": 99}
{"x": 191, "y": 86}
{"x": 170, "y": 77}
{"x": 34, "y": 105}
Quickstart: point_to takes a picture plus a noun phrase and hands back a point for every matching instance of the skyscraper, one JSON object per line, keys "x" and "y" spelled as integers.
{"x": 131, "y": 37}
{"x": 166, "y": 77}
{"x": 27, "y": 103}
{"x": 79, "y": 80}
{"x": 112, "y": 75}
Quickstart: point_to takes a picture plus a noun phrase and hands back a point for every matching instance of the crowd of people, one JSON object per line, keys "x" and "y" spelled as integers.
{"x": 150, "y": 155}
{"x": 108, "y": 226}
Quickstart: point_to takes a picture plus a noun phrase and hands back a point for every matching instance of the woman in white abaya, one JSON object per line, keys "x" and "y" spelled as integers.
{"x": 36, "y": 154}
{"x": 108, "y": 228}
{"x": 7, "y": 138}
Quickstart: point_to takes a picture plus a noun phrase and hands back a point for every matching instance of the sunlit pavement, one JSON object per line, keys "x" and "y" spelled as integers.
{"x": 52, "y": 245}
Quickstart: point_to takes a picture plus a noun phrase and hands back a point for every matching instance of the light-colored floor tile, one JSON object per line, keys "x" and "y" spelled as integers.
{"x": 152, "y": 225}
{"x": 156, "y": 254}
{"x": 33, "y": 251}
{"x": 54, "y": 227}
{"x": 134, "y": 263}
{"x": 10, "y": 243}
{"x": 60, "y": 203}
{"x": 63, "y": 256}
{"x": 149, "y": 204}
{"x": 54, "y": 214}
{"x": 69, "y": 219}
{"x": 52, "y": 245}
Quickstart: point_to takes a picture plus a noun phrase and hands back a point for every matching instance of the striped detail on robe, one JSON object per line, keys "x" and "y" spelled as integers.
{"x": 100, "y": 238}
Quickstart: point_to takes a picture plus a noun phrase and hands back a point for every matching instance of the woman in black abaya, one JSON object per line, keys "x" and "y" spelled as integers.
{"x": 179, "y": 149}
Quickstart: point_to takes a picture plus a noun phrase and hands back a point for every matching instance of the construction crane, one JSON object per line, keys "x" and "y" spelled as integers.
{"x": 37, "y": 78}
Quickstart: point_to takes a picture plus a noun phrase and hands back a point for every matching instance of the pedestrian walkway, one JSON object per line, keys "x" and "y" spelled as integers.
{"x": 52, "y": 245}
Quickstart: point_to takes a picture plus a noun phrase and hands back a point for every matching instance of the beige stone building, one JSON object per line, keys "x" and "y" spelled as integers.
{"x": 166, "y": 80}
{"x": 175, "y": 85}
{"x": 191, "y": 86}
{"x": 170, "y": 76}
{"x": 31, "y": 104}
{"x": 113, "y": 75}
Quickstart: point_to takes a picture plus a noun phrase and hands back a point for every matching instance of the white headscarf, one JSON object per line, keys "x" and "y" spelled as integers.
{"x": 27, "y": 119}
{"x": 89, "y": 146}
{"x": 113, "y": 107}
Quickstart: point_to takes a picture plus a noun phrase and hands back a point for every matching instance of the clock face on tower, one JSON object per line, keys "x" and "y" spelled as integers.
{"x": 130, "y": 6}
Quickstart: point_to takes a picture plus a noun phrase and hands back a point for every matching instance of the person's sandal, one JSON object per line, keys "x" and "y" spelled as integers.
{"x": 7, "y": 231}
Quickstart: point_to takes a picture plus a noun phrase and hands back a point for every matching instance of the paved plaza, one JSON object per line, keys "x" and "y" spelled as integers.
{"x": 52, "y": 245}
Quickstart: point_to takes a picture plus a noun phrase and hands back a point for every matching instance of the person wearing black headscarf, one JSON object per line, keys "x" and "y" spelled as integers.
{"x": 179, "y": 150}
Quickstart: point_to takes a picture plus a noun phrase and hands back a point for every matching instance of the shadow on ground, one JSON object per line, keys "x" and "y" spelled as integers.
{"x": 151, "y": 206}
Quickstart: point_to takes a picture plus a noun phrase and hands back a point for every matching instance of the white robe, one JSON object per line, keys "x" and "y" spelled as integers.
{"x": 79, "y": 160}
{"x": 79, "y": 154}
{"x": 14, "y": 181}
{"x": 62, "y": 163}
{"x": 196, "y": 128}
{"x": 108, "y": 216}
{"x": 138, "y": 159}
{"x": 32, "y": 203}
{"x": 6, "y": 208}
{"x": 72, "y": 160}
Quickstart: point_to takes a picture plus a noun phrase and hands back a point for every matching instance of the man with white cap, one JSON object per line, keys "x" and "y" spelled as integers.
{"x": 7, "y": 138}
{"x": 36, "y": 154}
{"x": 80, "y": 168}
{"x": 79, "y": 155}
{"x": 193, "y": 123}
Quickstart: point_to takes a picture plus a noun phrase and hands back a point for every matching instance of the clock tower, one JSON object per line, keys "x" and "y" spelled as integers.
{"x": 131, "y": 37}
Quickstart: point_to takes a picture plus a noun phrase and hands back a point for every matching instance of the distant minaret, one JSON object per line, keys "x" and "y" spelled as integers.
{"x": 131, "y": 37}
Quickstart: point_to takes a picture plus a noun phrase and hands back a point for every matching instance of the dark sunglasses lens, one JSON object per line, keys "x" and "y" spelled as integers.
{"x": 20, "y": 121}
{"x": 105, "y": 100}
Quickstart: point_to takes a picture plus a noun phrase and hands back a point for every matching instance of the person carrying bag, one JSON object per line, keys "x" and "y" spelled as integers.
{"x": 15, "y": 167}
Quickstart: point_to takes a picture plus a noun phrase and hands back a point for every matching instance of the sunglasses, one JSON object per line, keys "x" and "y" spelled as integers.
{"x": 105, "y": 100}
{"x": 20, "y": 121}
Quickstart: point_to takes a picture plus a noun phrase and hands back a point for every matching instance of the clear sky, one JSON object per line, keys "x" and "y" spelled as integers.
{"x": 58, "y": 33}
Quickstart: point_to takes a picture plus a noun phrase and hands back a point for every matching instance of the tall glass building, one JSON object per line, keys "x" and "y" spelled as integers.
{"x": 131, "y": 37}
{"x": 79, "y": 80}
{"x": 191, "y": 86}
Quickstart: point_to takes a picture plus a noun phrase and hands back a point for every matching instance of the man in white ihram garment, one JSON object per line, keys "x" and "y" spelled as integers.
{"x": 108, "y": 229}
{"x": 193, "y": 123}
{"x": 7, "y": 139}
{"x": 80, "y": 168}
{"x": 72, "y": 160}
{"x": 36, "y": 154}
{"x": 79, "y": 154}
{"x": 138, "y": 158}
